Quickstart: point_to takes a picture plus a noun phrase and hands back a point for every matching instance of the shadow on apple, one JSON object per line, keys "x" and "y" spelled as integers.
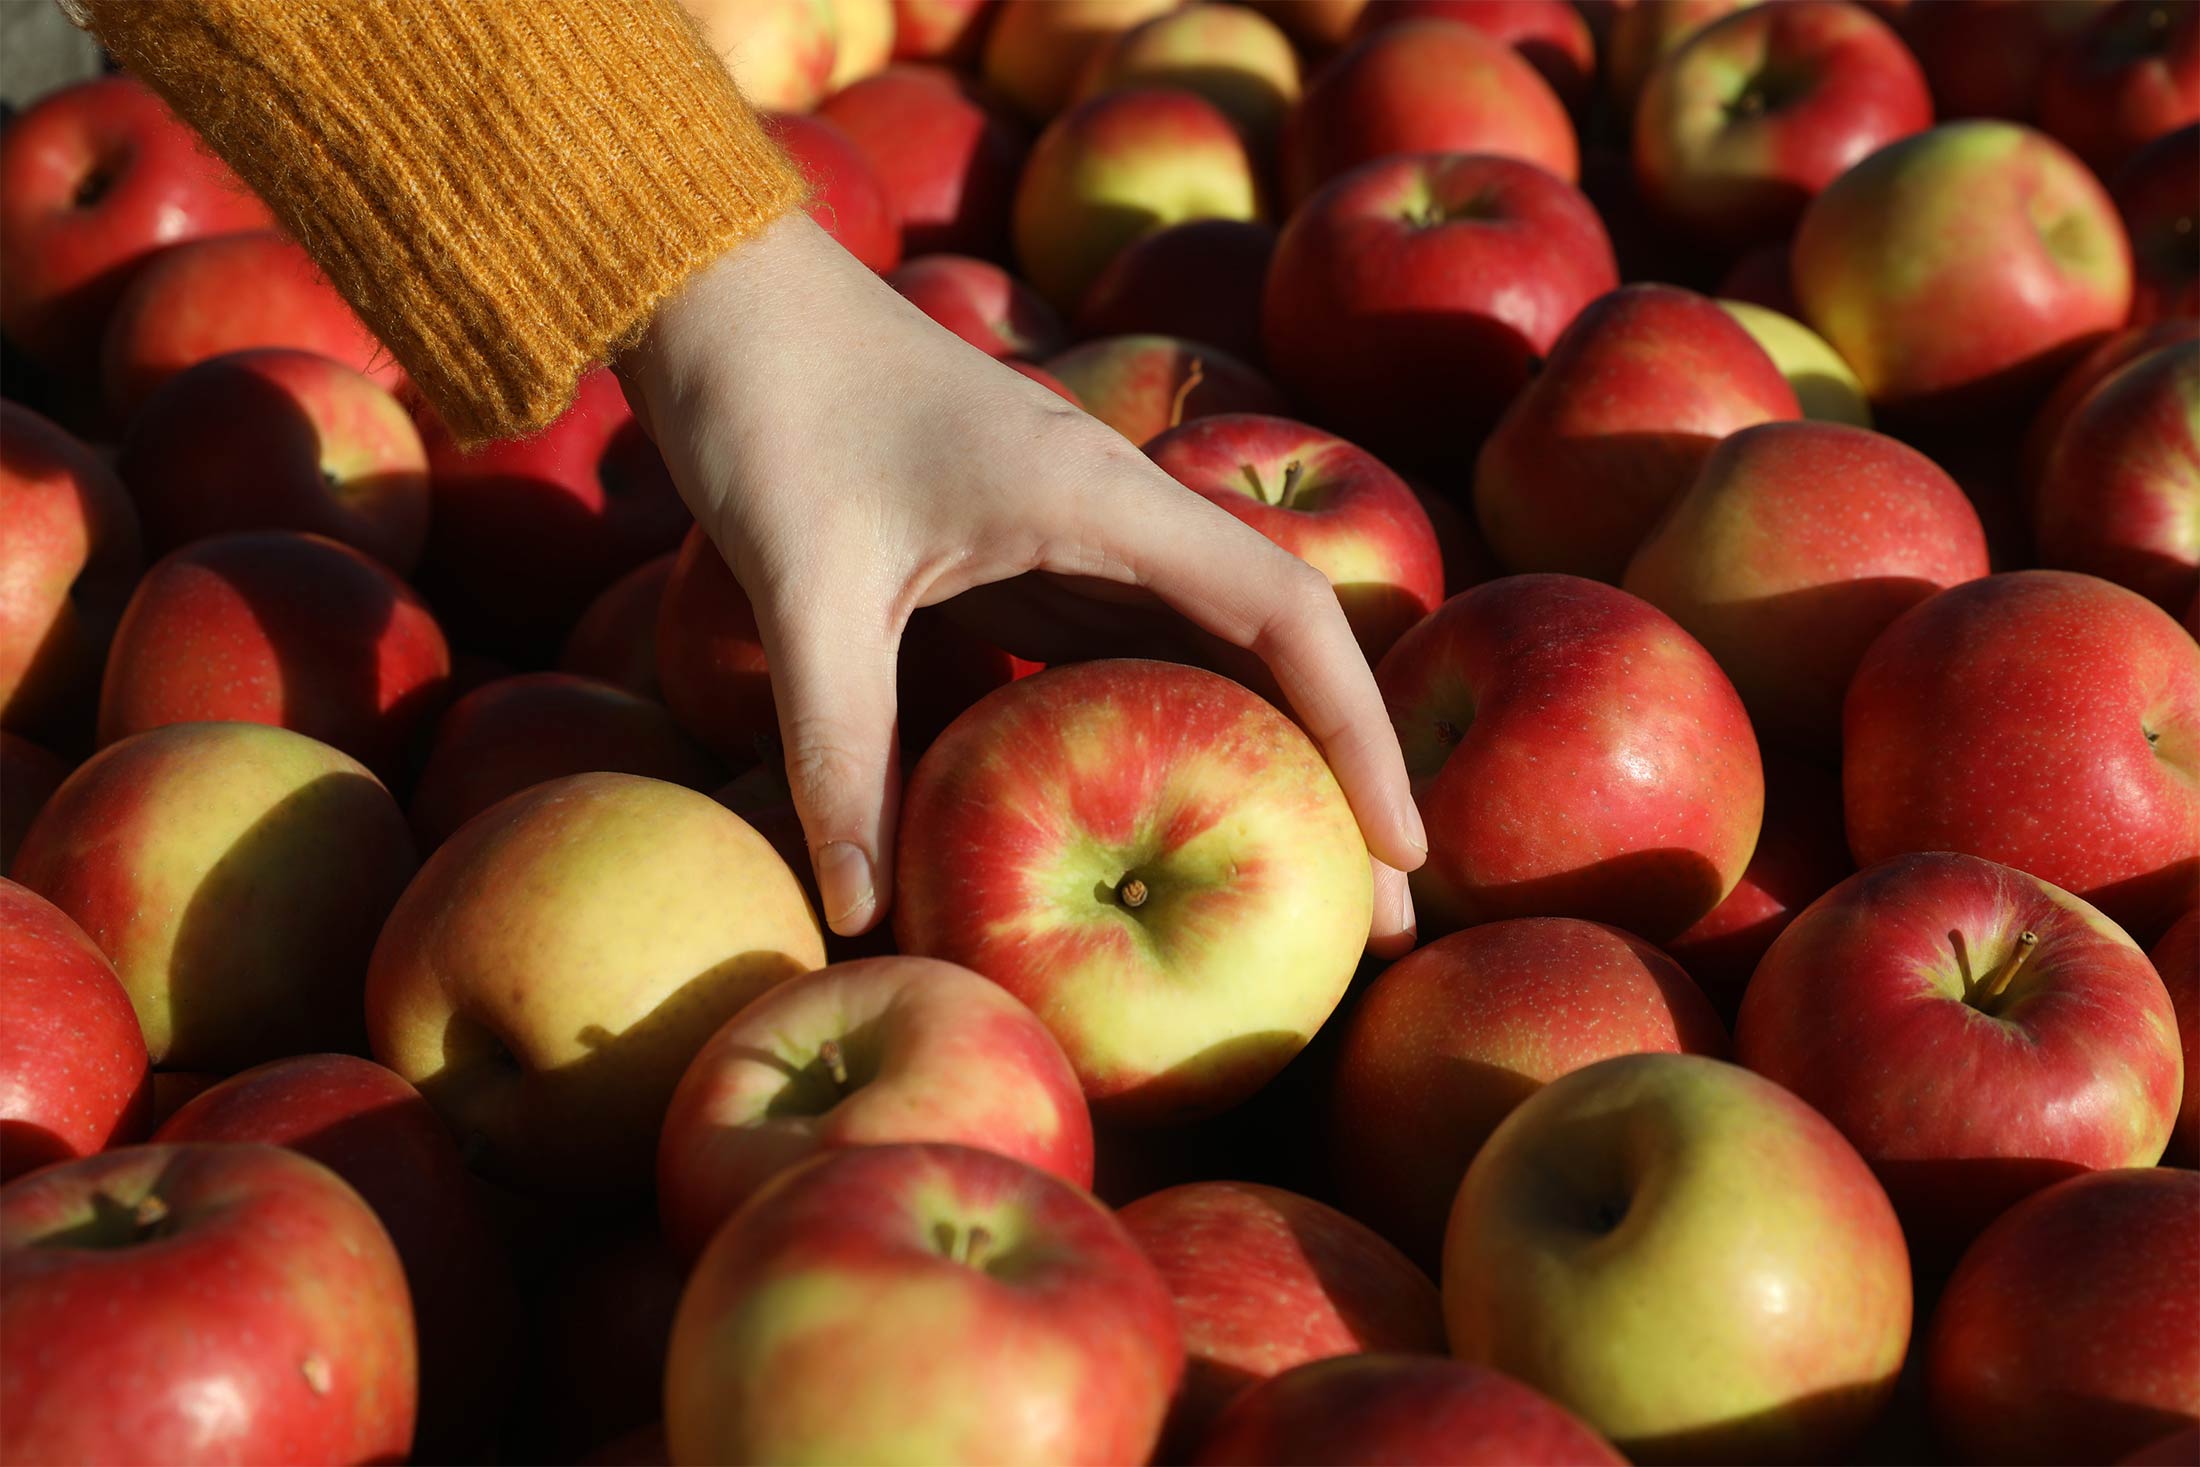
{"x": 1653, "y": 894}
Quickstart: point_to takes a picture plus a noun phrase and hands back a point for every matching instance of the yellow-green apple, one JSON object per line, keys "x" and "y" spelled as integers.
{"x": 1825, "y": 387}
{"x": 1332, "y": 505}
{"x": 515, "y": 732}
{"x": 1266, "y": 1279}
{"x": 236, "y": 875}
{"x": 981, "y": 303}
{"x": 2177, "y": 958}
{"x": 863, "y": 40}
{"x": 945, "y": 154}
{"x": 939, "y": 30}
{"x": 67, "y": 563}
{"x": 276, "y": 439}
{"x": 781, "y": 52}
{"x": 276, "y": 627}
{"x": 603, "y": 1329}
{"x": 1142, "y": 386}
{"x": 2129, "y": 75}
{"x": 920, "y": 1303}
{"x": 1450, "y": 1038}
{"x": 2042, "y": 719}
{"x": 28, "y": 777}
{"x": 200, "y": 1304}
{"x": 1236, "y": 58}
{"x": 1120, "y": 166}
{"x": 1958, "y": 269}
{"x": 1424, "y": 86}
{"x": 1320, "y": 26}
{"x": 1550, "y": 35}
{"x": 846, "y": 198}
{"x": 1409, "y": 300}
{"x": 550, "y": 973}
{"x": 1574, "y": 754}
{"x": 864, "y": 1053}
{"x": 1154, "y": 860}
{"x": 616, "y": 637}
{"x": 2160, "y": 205}
{"x": 94, "y": 178}
{"x": 1739, "y": 128}
{"x": 2098, "y": 365}
{"x": 1645, "y": 32}
{"x": 1975, "y": 1032}
{"x": 2119, "y": 493}
{"x": 373, "y": 1130}
{"x": 1987, "y": 58}
{"x": 2069, "y": 1332}
{"x": 227, "y": 293}
{"x": 1635, "y": 395}
{"x": 74, "y": 1076}
{"x": 1036, "y": 49}
{"x": 524, "y": 532}
{"x": 1791, "y": 552}
{"x": 1687, "y": 1257}
{"x": 1200, "y": 280}
{"x": 1399, "y": 1408}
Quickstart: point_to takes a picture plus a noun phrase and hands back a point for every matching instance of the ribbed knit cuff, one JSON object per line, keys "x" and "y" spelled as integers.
{"x": 503, "y": 189}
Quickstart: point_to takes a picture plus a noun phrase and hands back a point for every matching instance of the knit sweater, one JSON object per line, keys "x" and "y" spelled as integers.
{"x": 502, "y": 189}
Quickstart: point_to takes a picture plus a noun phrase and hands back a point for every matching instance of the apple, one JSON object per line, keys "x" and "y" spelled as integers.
{"x": 555, "y": 967}
{"x": 1610, "y": 433}
{"x": 1409, "y": 300}
{"x": 200, "y": 1304}
{"x": 2065, "y": 1334}
{"x": 939, "y": 30}
{"x": 920, "y": 1303}
{"x": 1550, "y": 35}
{"x": 94, "y": 178}
{"x": 1424, "y": 86}
{"x": 74, "y": 1077}
{"x": 1200, "y": 281}
{"x": 1687, "y": 1257}
{"x": 847, "y": 200}
{"x": 2042, "y": 719}
{"x": 1047, "y": 380}
{"x": 1825, "y": 387}
{"x": 276, "y": 627}
{"x": 2177, "y": 959}
{"x": 1036, "y": 49}
{"x": 981, "y": 303}
{"x": 863, "y": 40}
{"x": 2160, "y": 204}
{"x": 1117, "y": 167}
{"x": 1761, "y": 278}
{"x": 1142, "y": 386}
{"x": 2173, "y": 1450}
{"x": 1641, "y": 33}
{"x": 616, "y": 637}
{"x": 1452, "y": 1037}
{"x": 67, "y": 564}
{"x": 602, "y": 1326}
{"x": 866, "y": 1053}
{"x": 1332, "y": 505}
{"x": 2104, "y": 361}
{"x": 1399, "y": 1408}
{"x": 1795, "y": 547}
{"x": 1319, "y": 26}
{"x": 2131, "y": 74}
{"x": 946, "y": 156}
{"x": 28, "y": 777}
{"x": 1236, "y": 58}
{"x": 1155, "y": 861}
{"x": 1988, "y": 58}
{"x": 781, "y": 52}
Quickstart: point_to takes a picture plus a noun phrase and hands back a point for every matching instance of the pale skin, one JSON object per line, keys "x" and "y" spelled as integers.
{"x": 854, "y": 461}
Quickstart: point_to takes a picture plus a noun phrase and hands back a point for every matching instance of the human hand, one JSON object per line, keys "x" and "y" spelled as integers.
{"x": 854, "y": 461}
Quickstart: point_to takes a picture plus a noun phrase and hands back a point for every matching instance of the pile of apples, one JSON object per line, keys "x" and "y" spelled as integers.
{"x": 1757, "y": 449}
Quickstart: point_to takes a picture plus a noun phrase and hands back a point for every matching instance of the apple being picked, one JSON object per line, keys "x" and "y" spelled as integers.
{"x": 1158, "y": 863}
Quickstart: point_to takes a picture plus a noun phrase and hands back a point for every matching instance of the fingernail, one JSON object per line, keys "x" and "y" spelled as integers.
{"x": 844, "y": 885}
{"x": 1416, "y": 832}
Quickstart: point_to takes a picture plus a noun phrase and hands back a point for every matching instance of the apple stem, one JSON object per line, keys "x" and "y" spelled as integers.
{"x": 1192, "y": 378}
{"x": 1292, "y": 473}
{"x": 1447, "y": 732}
{"x": 149, "y": 1214}
{"x": 836, "y": 1063}
{"x": 1997, "y": 982}
{"x": 1131, "y": 892}
{"x": 972, "y": 1245}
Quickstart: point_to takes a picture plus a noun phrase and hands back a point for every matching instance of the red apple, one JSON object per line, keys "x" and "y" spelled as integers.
{"x": 2129, "y": 76}
{"x": 1235, "y": 57}
{"x": 2160, "y": 204}
{"x": 2041, "y": 719}
{"x": 866, "y": 1053}
{"x": 1760, "y": 278}
{"x": 1047, "y": 380}
{"x": 1319, "y": 26}
{"x": 945, "y": 156}
{"x": 981, "y": 303}
{"x": 2177, "y": 958}
{"x": 847, "y": 200}
{"x": 1035, "y": 50}
{"x": 1550, "y": 35}
{"x": 1987, "y": 58}
{"x": 616, "y": 637}
{"x": 1200, "y": 281}
{"x": 1142, "y": 386}
{"x": 2098, "y": 365}
{"x": 939, "y": 30}
{"x": 1641, "y": 33}
{"x": 28, "y": 777}
{"x": 200, "y": 1304}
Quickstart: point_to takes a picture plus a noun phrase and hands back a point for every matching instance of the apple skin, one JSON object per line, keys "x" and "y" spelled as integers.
{"x": 863, "y": 40}
{"x": 1023, "y": 825}
{"x": 71, "y": 555}
{"x": 275, "y": 627}
{"x": 945, "y": 155}
{"x": 1749, "y": 1300}
{"x": 616, "y": 637}
{"x": 1409, "y": 300}
{"x": 74, "y": 1076}
{"x": 1550, "y": 35}
{"x": 2129, "y": 76}
{"x": 921, "y": 1303}
{"x": 550, "y": 973}
{"x": 1332, "y": 505}
{"x": 847, "y": 200}
{"x": 1319, "y": 26}
{"x": 1382, "y": 1408}
{"x": 1987, "y": 58}
{"x": 1450, "y": 1038}
{"x": 94, "y": 178}
{"x": 2177, "y": 959}
{"x": 1047, "y": 380}
{"x": 932, "y": 1052}
{"x": 2042, "y": 719}
{"x": 2104, "y": 361}
{"x": 939, "y": 30}
{"x": 1641, "y": 33}
{"x": 1960, "y": 268}
{"x": 1236, "y": 58}
{"x": 781, "y": 52}
{"x": 1574, "y": 754}
{"x": 1793, "y": 550}
{"x": 2119, "y": 494}
{"x": 1035, "y": 50}
{"x": 1200, "y": 280}
{"x": 1120, "y": 166}
{"x": 264, "y": 1284}
{"x": 1637, "y": 392}
{"x": 1421, "y": 87}
{"x": 515, "y": 732}
{"x": 236, "y": 875}
{"x": 327, "y": 451}
{"x": 981, "y": 303}
{"x": 1142, "y": 386}
{"x": 28, "y": 777}
{"x": 1825, "y": 388}
{"x": 2063, "y": 1336}
{"x": 2160, "y": 205}
{"x": 375, "y": 1132}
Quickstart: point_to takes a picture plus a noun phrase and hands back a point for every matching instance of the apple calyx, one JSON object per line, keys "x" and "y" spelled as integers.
{"x": 1131, "y": 892}
{"x": 835, "y": 1061}
{"x": 1997, "y": 982}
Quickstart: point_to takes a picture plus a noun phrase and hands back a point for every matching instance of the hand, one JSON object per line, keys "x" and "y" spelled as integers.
{"x": 854, "y": 461}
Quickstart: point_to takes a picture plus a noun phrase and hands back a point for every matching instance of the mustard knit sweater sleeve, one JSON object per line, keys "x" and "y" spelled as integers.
{"x": 503, "y": 189}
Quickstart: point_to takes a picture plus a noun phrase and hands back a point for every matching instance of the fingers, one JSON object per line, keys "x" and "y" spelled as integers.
{"x": 1391, "y": 934}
